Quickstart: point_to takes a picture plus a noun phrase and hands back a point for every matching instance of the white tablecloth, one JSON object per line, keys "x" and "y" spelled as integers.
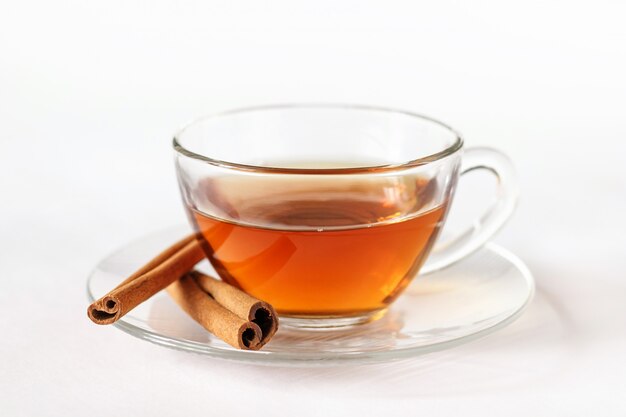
{"x": 91, "y": 91}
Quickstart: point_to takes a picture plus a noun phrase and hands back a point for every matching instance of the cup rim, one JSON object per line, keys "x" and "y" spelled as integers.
{"x": 450, "y": 150}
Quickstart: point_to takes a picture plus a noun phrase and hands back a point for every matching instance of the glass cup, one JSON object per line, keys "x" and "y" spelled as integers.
{"x": 329, "y": 211}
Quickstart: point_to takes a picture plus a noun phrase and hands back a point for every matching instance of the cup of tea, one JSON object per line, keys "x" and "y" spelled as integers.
{"x": 328, "y": 212}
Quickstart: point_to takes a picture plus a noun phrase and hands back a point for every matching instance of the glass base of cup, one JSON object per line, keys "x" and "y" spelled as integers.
{"x": 329, "y": 322}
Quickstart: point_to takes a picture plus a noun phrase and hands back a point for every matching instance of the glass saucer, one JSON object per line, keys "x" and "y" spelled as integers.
{"x": 470, "y": 299}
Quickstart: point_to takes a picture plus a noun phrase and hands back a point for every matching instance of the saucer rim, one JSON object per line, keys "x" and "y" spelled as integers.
{"x": 299, "y": 358}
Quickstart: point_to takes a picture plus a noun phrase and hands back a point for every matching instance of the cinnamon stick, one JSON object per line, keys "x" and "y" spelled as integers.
{"x": 223, "y": 323}
{"x": 232, "y": 315}
{"x": 157, "y": 274}
{"x": 240, "y": 303}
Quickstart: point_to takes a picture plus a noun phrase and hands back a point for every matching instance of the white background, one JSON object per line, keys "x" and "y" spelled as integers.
{"x": 90, "y": 93}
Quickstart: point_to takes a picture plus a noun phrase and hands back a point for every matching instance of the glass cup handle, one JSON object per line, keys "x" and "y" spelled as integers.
{"x": 463, "y": 244}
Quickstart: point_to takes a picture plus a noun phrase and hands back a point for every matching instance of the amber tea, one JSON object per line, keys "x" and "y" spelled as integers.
{"x": 323, "y": 250}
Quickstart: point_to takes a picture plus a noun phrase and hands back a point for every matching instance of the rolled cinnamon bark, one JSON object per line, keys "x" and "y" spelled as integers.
{"x": 232, "y": 315}
{"x": 225, "y": 324}
{"x": 160, "y": 272}
{"x": 240, "y": 303}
